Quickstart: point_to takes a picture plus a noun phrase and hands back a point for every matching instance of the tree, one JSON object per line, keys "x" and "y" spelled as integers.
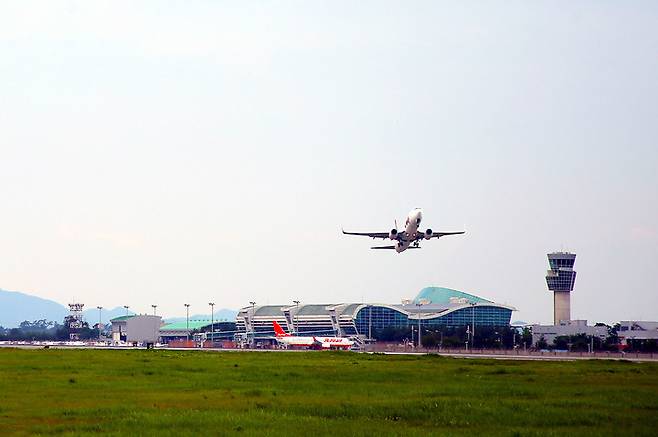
{"x": 611, "y": 342}
{"x": 430, "y": 340}
{"x": 541, "y": 343}
{"x": 526, "y": 337}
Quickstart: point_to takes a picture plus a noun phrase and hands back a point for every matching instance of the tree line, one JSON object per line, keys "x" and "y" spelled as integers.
{"x": 44, "y": 330}
{"x": 507, "y": 337}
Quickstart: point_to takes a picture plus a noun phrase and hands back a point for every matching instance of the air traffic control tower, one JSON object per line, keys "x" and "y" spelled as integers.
{"x": 560, "y": 280}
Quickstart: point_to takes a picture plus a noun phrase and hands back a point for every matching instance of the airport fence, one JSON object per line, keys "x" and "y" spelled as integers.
{"x": 402, "y": 348}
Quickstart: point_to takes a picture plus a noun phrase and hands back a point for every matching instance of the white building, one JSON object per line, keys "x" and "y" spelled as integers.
{"x": 637, "y": 330}
{"x": 567, "y": 327}
{"x": 136, "y": 329}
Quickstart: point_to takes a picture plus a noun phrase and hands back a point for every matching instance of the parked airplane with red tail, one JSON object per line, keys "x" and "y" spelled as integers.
{"x": 313, "y": 342}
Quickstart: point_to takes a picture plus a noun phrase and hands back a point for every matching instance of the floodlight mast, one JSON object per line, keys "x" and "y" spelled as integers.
{"x": 473, "y": 325}
{"x": 253, "y": 312}
{"x": 370, "y": 322}
{"x": 100, "y": 320}
{"x": 187, "y": 321}
{"x": 212, "y": 321}
{"x": 296, "y": 302}
{"x": 419, "y": 304}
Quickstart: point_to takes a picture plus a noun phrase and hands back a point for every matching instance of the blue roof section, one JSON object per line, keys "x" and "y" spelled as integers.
{"x": 441, "y": 295}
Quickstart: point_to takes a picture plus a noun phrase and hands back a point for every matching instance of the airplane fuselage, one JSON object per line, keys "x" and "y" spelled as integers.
{"x": 405, "y": 238}
{"x": 321, "y": 342}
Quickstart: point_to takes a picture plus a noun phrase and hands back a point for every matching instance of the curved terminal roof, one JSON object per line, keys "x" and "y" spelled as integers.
{"x": 446, "y": 296}
{"x": 313, "y": 310}
{"x": 267, "y": 310}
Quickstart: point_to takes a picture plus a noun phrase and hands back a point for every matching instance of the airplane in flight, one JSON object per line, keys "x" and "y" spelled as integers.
{"x": 315, "y": 342}
{"x": 409, "y": 238}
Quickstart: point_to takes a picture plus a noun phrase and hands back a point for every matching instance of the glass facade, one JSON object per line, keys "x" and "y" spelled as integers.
{"x": 379, "y": 317}
{"x": 384, "y": 317}
{"x": 480, "y": 315}
{"x": 561, "y": 280}
{"x": 558, "y": 263}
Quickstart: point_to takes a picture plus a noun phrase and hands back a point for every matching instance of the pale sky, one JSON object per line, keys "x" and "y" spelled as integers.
{"x": 169, "y": 152}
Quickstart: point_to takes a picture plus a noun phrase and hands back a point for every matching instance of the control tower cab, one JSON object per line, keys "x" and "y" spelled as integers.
{"x": 560, "y": 280}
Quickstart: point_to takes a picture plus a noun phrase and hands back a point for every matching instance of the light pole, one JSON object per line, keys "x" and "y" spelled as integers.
{"x": 126, "y": 307}
{"x": 296, "y": 302}
{"x": 413, "y": 342}
{"x": 155, "y": 333}
{"x": 212, "y": 321}
{"x": 187, "y": 321}
{"x": 419, "y": 336}
{"x": 253, "y": 313}
{"x": 100, "y": 320}
{"x": 473, "y": 325}
{"x": 370, "y": 322}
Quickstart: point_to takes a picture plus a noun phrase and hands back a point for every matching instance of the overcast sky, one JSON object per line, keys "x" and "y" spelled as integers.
{"x": 171, "y": 152}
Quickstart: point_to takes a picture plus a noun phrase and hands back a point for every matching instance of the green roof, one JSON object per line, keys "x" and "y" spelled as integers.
{"x": 122, "y": 318}
{"x": 441, "y": 295}
{"x": 182, "y": 326}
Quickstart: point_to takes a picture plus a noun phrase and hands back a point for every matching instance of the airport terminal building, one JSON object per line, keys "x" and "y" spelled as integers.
{"x": 434, "y": 307}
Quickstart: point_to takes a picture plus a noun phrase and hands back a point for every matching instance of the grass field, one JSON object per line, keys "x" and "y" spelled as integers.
{"x": 319, "y": 393}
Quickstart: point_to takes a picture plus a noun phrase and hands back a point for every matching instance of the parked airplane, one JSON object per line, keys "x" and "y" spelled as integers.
{"x": 318, "y": 342}
{"x": 409, "y": 238}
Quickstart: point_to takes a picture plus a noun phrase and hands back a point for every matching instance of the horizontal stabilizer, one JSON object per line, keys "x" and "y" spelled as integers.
{"x": 393, "y": 247}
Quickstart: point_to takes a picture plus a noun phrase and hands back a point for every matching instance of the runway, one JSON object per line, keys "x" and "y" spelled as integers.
{"x": 535, "y": 356}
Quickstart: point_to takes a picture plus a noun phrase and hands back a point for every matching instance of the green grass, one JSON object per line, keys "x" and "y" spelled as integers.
{"x": 319, "y": 393}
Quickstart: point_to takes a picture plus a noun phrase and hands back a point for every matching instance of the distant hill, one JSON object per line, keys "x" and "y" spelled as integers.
{"x": 16, "y": 307}
{"x": 91, "y": 315}
{"x": 519, "y": 323}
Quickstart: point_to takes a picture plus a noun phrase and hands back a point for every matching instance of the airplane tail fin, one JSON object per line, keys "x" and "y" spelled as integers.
{"x": 278, "y": 330}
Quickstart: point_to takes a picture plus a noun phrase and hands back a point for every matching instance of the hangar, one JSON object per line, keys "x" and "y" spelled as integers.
{"x": 135, "y": 329}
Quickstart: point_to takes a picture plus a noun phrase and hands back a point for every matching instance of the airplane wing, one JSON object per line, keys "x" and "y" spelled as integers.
{"x": 382, "y": 235}
{"x": 442, "y": 234}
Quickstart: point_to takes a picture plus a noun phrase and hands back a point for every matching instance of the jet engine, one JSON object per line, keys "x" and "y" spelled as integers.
{"x": 428, "y": 234}
{"x": 393, "y": 235}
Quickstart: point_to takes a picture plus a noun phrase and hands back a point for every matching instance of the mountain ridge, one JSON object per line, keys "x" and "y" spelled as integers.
{"x": 17, "y": 306}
